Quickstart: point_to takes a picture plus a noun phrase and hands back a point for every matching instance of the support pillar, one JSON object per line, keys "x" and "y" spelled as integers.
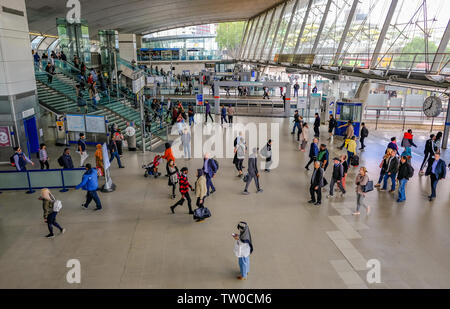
{"x": 287, "y": 103}
{"x": 216, "y": 98}
{"x": 127, "y": 46}
{"x": 446, "y": 129}
{"x": 18, "y": 96}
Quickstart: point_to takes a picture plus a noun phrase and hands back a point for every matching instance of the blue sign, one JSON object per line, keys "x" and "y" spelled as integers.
{"x": 199, "y": 99}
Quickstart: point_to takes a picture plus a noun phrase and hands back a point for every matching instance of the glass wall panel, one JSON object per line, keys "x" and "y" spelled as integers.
{"x": 332, "y": 31}
{"x": 312, "y": 26}
{"x": 405, "y": 44}
{"x": 272, "y": 34}
{"x": 264, "y": 30}
{"x": 249, "y": 37}
{"x": 283, "y": 28}
{"x": 299, "y": 16}
{"x": 258, "y": 28}
{"x": 364, "y": 33}
{"x": 246, "y": 36}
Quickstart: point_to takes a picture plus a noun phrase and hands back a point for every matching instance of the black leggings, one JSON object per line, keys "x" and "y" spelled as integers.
{"x": 44, "y": 163}
{"x": 239, "y": 164}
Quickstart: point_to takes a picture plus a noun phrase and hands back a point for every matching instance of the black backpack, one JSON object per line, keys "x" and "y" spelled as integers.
{"x": 217, "y": 165}
{"x": 354, "y": 161}
{"x": 61, "y": 161}
{"x": 410, "y": 171}
{"x": 11, "y": 160}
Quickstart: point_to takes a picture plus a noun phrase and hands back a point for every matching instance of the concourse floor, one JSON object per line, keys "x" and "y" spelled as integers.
{"x": 135, "y": 242}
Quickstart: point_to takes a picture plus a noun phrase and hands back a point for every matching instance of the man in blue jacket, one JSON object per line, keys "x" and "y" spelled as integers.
{"x": 437, "y": 171}
{"x": 313, "y": 152}
{"x": 89, "y": 183}
{"x": 210, "y": 170}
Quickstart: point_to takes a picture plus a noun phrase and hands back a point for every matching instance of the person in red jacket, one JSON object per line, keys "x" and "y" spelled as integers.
{"x": 184, "y": 190}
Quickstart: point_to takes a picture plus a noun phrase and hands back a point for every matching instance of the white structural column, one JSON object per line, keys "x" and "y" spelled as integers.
{"x": 267, "y": 35}
{"x": 127, "y": 46}
{"x": 18, "y": 97}
{"x": 383, "y": 32}
{"x": 255, "y": 47}
{"x": 247, "y": 23}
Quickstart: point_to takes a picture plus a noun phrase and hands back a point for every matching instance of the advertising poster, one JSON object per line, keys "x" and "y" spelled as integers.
{"x": 5, "y": 137}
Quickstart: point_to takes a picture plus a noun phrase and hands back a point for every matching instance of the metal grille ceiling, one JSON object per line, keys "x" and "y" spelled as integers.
{"x": 143, "y": 16}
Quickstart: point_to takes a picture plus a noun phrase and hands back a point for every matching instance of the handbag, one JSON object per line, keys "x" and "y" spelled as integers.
{"x": 57, "y": 205}
{"x": 245, "y": 178}
{"x": 368, "y": 187}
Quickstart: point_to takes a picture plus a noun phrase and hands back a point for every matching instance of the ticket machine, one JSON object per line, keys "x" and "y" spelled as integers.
{"x": 346, "y": 111}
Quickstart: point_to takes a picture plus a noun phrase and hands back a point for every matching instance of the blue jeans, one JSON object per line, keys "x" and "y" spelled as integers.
{"x": 209, "y": 183}
{"x": 401, "y": 190}
{"x": 115, "y": 155}
{"x": 187, "y": 150}
{"x": 296, "y": 125}
{"x": 191, "y": 120}
{"x": 434, "y": 182}
{"x": 244, "y": 265}
{"x": 349, "y": 157}
{"x": 92, "y": 195}
{"x": 385, "y": 180}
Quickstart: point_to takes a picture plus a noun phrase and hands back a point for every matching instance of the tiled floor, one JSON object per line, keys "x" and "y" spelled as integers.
{"x": 136, "y": 243}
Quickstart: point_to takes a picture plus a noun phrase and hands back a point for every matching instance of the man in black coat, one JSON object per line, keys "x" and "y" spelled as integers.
{"x": 336, "y": 177}
{"x": 437, "y": 171}
{"x": 316, "y": 125}
{"x": 316, "y": 184}
{"x": 364, "y": 134}
{"x": 429, "y": 151}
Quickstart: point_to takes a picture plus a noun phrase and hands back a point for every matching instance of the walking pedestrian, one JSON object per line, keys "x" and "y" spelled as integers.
{"x": 383, "y": 166}
{"x": 43, "y": 156}
{"x": 66, "y": 159}
{"x": 209, "y": 169}
{"x": 50, "y": 212}
{"x": 168, "y": 155}
{"x": 343, "y": 160}
{"x": 323, "y": 156}
{"x": 114, "y": 152}
{"x": 173, "y": 172}
{"x": 437, "y": 171}
{"x": 191, "y": 114}
{"x": 240, "y": 155}
{"x": 82, "y": 149}
{"x": 428, "y": 151}
{"x": 393, "y": 144}
{"x": 336, "y": 177}
{"x": 186, "y": 141}
{"x": 316, "y": 125}
{"x": 364, "y": 134}
{"x": 332, "y": 123}
{"x": 99, "y": 160}
{"x": 208, "y": 112}
{"x": 230, "y": 112}
{"x": 391, "y": 172}
{"x": 405, "y": 172}
{"x": 296, "y": 123}
{"x": 317, "y": 182}
{"x": 267, "y": 153}
{"x": 349, "y": 132}
{"x": 361, "y": 181}
{"x": 351, "y": 149}
{"x": 200, "y": 191}
{"x": 21, "y": 160}
{"x": 184, "y": 190}
{"x": 243, "y": 248}
{"x": 313, "y": 152}
{"x": 89, "y": 183}
{"x": 304, "y": 137}
{"x": 253, "y": 173}
{"x": 223, "y": 115}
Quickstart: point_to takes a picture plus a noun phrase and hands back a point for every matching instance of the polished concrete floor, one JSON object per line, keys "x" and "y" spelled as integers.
{"x": 135, "y": 242}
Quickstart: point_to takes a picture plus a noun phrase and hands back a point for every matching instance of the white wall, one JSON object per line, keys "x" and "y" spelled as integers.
{"x": 16, "y": 62}
{"x": 127, "y": 46}
{"x": 180, "y": 67}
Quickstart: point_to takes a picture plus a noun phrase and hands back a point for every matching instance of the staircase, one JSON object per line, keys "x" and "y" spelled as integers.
{"x": 59, "y": 96}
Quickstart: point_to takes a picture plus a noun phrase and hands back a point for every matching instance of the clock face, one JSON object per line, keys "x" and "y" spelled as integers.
{"x": 432, "y": 106}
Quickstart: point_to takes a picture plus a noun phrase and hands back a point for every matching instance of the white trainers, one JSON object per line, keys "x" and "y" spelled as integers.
{"x": 356, "y": 213}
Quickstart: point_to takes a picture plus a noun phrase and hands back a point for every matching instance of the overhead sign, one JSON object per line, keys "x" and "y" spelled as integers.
{"x": 75, "y": 123}
{"x": 28, "y": 113}
{"x": 5, "y": 137}
{"x": 256, "y": 84}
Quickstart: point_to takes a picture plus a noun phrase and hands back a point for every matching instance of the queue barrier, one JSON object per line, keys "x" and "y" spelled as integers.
{"x": 38, "y": 179}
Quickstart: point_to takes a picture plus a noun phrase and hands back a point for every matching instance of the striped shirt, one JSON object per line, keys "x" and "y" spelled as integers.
{"x": 184, "y": 183}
